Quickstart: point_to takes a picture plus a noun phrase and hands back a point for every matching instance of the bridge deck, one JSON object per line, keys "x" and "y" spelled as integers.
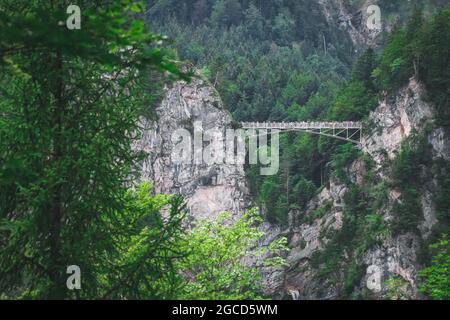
{"x": 302, "y": 125}
{"x": 345, "y": 130}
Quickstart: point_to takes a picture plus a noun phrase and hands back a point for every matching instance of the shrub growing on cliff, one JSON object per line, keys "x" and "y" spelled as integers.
{"x": 421, "y": 49}
{"x": 437, "y": 276}
{"x": 396, "y": 289}
{"x": 434, "y": 49}
{"x": 407, "y": 172}
{"x": 443, "y": 199}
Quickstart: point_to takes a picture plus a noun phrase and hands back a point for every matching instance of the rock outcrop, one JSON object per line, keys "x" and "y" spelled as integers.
{"x": 353, "y": 19}
{"x": 211, "y": 189}
{"x": 394, "y": 120}
{"x": 357, "y": 18}
{"x": 208, "y": 189}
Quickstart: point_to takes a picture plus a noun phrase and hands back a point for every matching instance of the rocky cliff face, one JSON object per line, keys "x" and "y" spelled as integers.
{"x": 356, "y": 16}
{"x": 394, "y": 120}
{"x": 353, "y": 18}
{"x": 208, "y": 189}
{"x": 211, "y": 189}
{"x": 393, "y": 256}
{"x": 306, "y": 232}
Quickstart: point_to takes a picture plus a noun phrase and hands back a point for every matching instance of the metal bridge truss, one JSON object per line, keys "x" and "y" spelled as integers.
{"x": 346, "y": 130}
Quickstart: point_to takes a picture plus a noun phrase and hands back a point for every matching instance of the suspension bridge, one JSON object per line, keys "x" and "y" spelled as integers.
{"x": 346, "y": 130}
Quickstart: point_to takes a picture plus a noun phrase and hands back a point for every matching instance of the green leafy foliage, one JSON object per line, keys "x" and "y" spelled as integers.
{"x": 342, "y": 157}
{"x": 145, "y": 242}
{"x": 222, "y": 255}
{"x": 434, "y": 67}
{"x": 407, "y": 172}
{"x": 437, "y": 276}
{"x": 420, "y": 49}
{"x": 340, "y": 263}
{"x": 443, "y": 200}
{"x": 396, "y": 289}
{"x": 70, "y": 100}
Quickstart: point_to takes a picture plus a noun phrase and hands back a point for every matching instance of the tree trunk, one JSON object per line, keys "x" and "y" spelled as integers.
{"x": 57, "y": 268}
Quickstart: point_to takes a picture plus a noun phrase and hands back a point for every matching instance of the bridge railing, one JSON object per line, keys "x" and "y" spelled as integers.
{"x": 303, "y": 125}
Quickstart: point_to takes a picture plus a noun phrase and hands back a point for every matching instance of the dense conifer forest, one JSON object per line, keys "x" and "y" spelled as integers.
{"x": 70, "y": 104}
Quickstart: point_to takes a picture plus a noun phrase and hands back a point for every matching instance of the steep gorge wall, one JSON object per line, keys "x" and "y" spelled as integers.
{"x": 211, "y": 189}
{"x": 207, "y": 189}
{"x": 353, "y": 19}
{"x": 392, "y": 256}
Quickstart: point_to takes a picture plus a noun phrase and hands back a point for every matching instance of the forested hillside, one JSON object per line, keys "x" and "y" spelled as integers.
{"x": 88, "y": 183}
{"x": 283, "y": 61}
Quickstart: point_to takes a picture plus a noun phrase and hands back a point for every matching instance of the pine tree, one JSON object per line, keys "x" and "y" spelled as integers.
{"x": 413, "y": 38}
{"x": 254, "y": 22}
{"x": 70, "y": 100}
{"x": 435, "y": 68}
{"x": 363, "y": 69}
{"x": 226, "y": 13}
